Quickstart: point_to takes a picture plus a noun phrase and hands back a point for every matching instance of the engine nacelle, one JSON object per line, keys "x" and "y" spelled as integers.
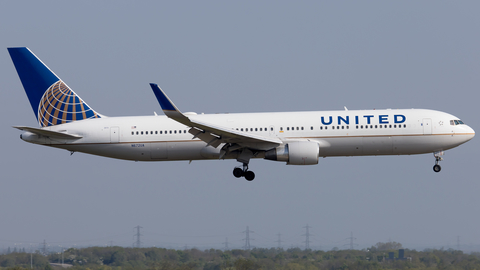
{"x": 295, "y": 153}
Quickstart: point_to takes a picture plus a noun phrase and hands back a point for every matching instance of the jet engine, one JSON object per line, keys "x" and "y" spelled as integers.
{"x": 295, "y": 153}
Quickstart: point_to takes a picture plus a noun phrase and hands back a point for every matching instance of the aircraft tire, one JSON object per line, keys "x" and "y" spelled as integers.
{"x": 249, "y": 175}
{"x": 237, "y": 172}
{"x": 437, "y": 168}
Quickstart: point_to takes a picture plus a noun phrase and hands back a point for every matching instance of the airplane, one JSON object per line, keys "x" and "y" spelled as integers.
{"x": 296, "y": 138}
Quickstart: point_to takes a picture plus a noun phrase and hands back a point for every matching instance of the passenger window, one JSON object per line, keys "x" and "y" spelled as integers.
{"x": 390, "y": 126}
{"x": 288, "y": 128}
{"x": 170, "y": 132}
{"x": 141, "y": 133}
{"x": 133, "y": 133}
{"x": 343, "y": 127}
{"x": 366, "y": 126}
{"x": 348, "y": 127}
{"x": 256, "y": 129}
{"x": 376, "y": 126}
{"x": 241, "y": 129}
{"x": 156, "y": 132}
{"x": 361, "y": 126}
{"x": 161, "y": 132}
{"x": 260, "y": 129}
{"x": 301, "y": 128}
{"x": 357, "y": 127}
{"x": 251, "y": 129}
{"x": 395, "y": 126}
{"x": 297, "y": 128}
{"x": 321, "y": 128}
{"x": 281, "y": 128}
{"x": 404, "y": 125}
{"x": 326, "y": 128}
{"x": 311, "y": 128}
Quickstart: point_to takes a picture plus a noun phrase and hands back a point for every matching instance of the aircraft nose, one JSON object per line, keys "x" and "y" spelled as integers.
{"x": 469, "y": 133}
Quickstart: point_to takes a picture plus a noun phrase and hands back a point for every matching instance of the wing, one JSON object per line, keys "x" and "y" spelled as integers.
{"x": 210, "y": 133}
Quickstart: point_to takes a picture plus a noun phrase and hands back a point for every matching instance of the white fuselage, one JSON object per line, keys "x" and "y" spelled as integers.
{"x": 338, "y": 133}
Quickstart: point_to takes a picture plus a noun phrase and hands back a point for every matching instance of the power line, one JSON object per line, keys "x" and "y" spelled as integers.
{"x": 226, "y": 244}
{"x": 44, "y": 248}
{"x": 279, "y": 241}
{"x": 351, "y": 238}
{"x": 307, "y": 237}
{"x": 247, "y": 239}
{"x": 138, "y": 243}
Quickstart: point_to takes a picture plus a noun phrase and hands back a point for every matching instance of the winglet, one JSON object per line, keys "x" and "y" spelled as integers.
{"x": 168, "y": 107}
{"x": 165, "y": 102}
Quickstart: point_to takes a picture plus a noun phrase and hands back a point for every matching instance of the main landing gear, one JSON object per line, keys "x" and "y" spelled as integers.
{"x": 239, "y": 172}
{"x": 438, "y": 158}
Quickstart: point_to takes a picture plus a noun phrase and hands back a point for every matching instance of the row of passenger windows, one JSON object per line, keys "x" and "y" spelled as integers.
{"x": 383, "y": 126}
{"x": 255, "y": 129}
{"x": 158, "y": 132}
{"x": 333, "y": 127}
{"x": 271, "y": 129}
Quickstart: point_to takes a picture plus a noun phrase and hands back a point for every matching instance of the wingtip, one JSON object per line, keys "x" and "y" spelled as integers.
{"x": 162, "y": 98}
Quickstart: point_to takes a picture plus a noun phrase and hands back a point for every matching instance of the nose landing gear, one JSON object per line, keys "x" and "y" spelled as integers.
{"x": 438, "y": 158}
{"x": 238, "y": 172}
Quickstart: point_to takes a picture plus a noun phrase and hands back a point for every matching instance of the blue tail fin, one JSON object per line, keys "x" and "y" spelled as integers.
{"x": 53, "y": 102}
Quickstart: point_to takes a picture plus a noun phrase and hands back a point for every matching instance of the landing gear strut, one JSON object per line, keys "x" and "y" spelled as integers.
{"x": 438, "y": 158}
{"x": 238, "y": 172}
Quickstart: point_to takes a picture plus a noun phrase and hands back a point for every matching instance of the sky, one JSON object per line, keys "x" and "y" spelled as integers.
{"x": 246, "y": 56}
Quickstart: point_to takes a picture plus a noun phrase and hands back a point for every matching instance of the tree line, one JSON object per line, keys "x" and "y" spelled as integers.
{"x": 380, "y": 256}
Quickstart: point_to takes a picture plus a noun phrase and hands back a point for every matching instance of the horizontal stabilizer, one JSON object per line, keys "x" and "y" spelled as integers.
{"x": 49, "y": 133}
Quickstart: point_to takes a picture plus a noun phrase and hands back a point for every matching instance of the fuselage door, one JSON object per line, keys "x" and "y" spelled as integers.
{"x": 427, "y": 126}
{"x": 114, "y": 134}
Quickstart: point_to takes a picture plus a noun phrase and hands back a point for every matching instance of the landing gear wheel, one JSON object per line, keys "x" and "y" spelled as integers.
{"x": 244, "y": 172}
{"x": 438, "y": 157}
{"x": 237, "y": 172}
{"x": 249, "y": 175}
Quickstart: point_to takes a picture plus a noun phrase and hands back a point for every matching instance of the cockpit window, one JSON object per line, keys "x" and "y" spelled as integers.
{"x": 456, "y": 122}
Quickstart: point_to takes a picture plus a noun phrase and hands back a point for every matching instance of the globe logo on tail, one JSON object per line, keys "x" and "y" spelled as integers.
{"x": 60, "y": 105}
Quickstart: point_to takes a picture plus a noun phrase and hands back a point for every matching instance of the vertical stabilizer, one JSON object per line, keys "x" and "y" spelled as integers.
{"x": 52, "y": 101}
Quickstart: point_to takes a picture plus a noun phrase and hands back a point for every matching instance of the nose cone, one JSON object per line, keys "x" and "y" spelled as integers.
{"x": 470, "y": 133}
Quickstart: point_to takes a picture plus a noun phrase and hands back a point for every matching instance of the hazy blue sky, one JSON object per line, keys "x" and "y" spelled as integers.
{"x": 248, "y": 56}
